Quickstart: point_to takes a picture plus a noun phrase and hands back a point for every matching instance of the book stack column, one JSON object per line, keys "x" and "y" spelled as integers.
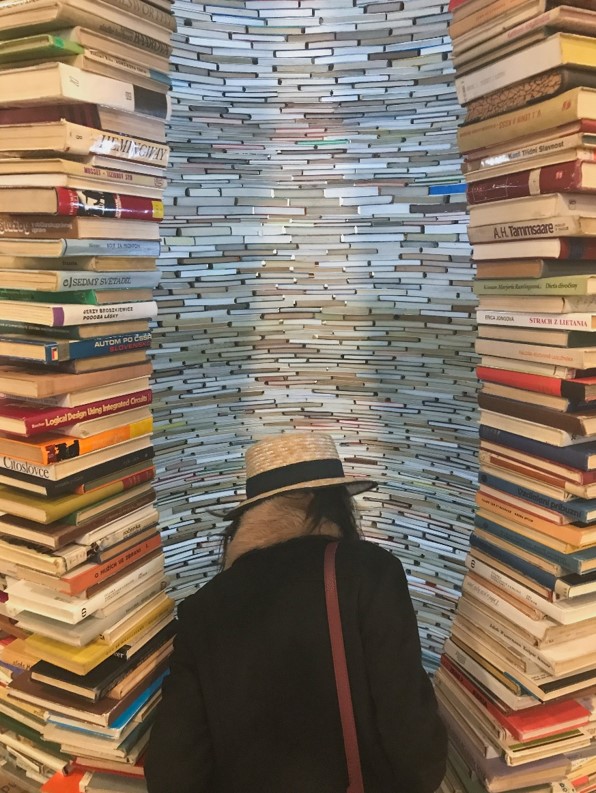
{"x": 316, "y": 274}
{"x": 517, "y": 684}
{"x": 86, "y": 626}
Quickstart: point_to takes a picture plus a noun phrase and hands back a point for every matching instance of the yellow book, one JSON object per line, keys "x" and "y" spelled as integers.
{"x": 47, "y": 510}
{"x": 81, "y": 660}
{"x": 561, "y": 49}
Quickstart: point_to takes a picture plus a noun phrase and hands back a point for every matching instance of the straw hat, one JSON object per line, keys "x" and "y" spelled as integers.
{"x": 294, "y": 461}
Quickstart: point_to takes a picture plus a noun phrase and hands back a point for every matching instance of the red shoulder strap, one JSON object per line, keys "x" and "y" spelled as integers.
{"x": 342, "y": 681}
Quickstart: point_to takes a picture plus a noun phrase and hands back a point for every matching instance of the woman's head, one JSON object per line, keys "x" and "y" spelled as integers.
{"x": 327, "y": 511}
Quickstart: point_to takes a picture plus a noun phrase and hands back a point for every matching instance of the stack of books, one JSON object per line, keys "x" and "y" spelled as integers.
{"x": 316, "y": 274}
{"x": 517, "y": 684}
{"x": 86, "y": 624}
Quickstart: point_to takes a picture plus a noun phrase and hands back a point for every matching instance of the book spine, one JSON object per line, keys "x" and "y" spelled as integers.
{"x": 566, "y": 177}
{"x": 145, "y": 11}
{"x": 552, "y": 419}
{"x": 85, "y": 314}
{"x": 121, "y": 342}
{"x": 135, "y": 38}
{"x": 512, "y": 586}
{"x": 528, "y": 229}
{"x": 564, "y": 285}
{"x": 85, "y": 203}
{"x": 48, "y": 420}
{"x": 481, "y": 17}
{"x": 527, "y": 382}
{"x": 577, "y": 456}
{"x": 565, "y": 321}
{"x": 563, "y": 356}
{"x": 541, "y": 57}
{"x": 128, "y": 66}
{"x": 569, "y": 509}
{"x": 83, "y": 140}
{"x": 101, "y": 542}
{"x": 67, "y": 448}
{"x": 98, "y": 247}
{"x": 562, "y": 109}
{"x": 72, "y": 280}
{"x": 512, "y": 560}
{"x": 74, "y": 585}
{"x": 128, "y": 482}
{"x": 78, "y": 86}
{"x": 566, "y": 561}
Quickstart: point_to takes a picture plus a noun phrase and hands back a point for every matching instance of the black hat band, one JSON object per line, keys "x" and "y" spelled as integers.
{"x": 294, "y": 474}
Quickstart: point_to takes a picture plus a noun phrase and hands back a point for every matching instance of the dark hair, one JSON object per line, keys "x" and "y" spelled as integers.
{"x": 329, "y": 504}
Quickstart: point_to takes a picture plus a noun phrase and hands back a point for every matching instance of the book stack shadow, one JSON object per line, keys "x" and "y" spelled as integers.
{"x": 85, "y": 623}
{"x": 517, "y": 683}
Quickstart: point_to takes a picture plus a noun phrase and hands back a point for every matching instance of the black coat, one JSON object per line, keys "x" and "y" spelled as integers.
{"x": 251, "y": 706}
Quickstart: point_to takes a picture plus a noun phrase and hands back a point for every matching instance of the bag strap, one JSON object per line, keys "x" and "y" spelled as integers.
{"x": 340, "y": 667}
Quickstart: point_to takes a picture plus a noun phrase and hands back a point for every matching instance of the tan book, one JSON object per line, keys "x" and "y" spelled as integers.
{"x": 59, "y": 137}
{"x": 562, "y": 109}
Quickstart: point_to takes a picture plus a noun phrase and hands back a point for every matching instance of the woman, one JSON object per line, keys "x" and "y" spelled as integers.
{"x": 250, "y": 705}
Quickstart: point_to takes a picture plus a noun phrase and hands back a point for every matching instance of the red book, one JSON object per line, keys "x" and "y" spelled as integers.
{"x": 453, "y": 4}
{"x": 63, "y": 783}
{"x": 106, "y": 205}
{"x": 576, "y": 176}
{"x": 25, "y": 418}
{"x": 578, "y": 389}
{"x": 539, "y": 721}
{"x": 129, "y": 481}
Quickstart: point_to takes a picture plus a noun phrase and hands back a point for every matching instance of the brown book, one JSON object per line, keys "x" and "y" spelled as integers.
{"x": 57, "y": 535}
{"x": 48, "y": 227}
{"x": 103, "y": 712}
{"x": 32, "y": 383}
{"x": 527, "y": 92}
{"x": 531, "y": 268}
{"x": 565, "y": 108}
{"x": 573, "y": 423}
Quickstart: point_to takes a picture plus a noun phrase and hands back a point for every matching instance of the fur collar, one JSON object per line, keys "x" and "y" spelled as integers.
{"x": 273, "y": 521}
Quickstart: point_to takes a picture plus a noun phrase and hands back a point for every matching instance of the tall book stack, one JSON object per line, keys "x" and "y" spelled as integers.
{"x": 517, "y": 684}
{"x": 86, "y": 624}
{"x": 316, "y": 274}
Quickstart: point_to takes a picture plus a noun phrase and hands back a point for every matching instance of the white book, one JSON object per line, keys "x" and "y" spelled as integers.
{"x": 532, "y": 208}
{"x": 565, "y": 612}
{"x": 25, "y": 596}
{"x": 58, "y": 315}
{"x": 484, "y": 677}
{"x": 522, "y": 319}
{"x": 74, "y": 280}
{"x": 120, "y": 529}
{"x": 76, "y": 398}
{"x": 57, "y": 471}
{"x": 93, "y": 626}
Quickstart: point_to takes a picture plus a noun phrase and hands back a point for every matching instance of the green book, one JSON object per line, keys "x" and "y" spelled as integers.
{"x": 88, "y": 296}
{"x": 45, "y": 45}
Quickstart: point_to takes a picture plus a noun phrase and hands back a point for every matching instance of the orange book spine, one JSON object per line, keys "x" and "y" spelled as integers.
{"x": 74, "y": 584}
{"x": 66, "y": 447}
{"x": 565, "y": 533}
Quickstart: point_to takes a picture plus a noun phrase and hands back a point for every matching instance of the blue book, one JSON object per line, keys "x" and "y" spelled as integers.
{"x": 512, "y": 560}
{"x": 580, "y": 455}
{"x": 577, "y": 562}
{"x": 580, "y": 509}
{"x": 447, "y": 189}
{"x": 117, "y": 726}
{"x": 50, "y": 351}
